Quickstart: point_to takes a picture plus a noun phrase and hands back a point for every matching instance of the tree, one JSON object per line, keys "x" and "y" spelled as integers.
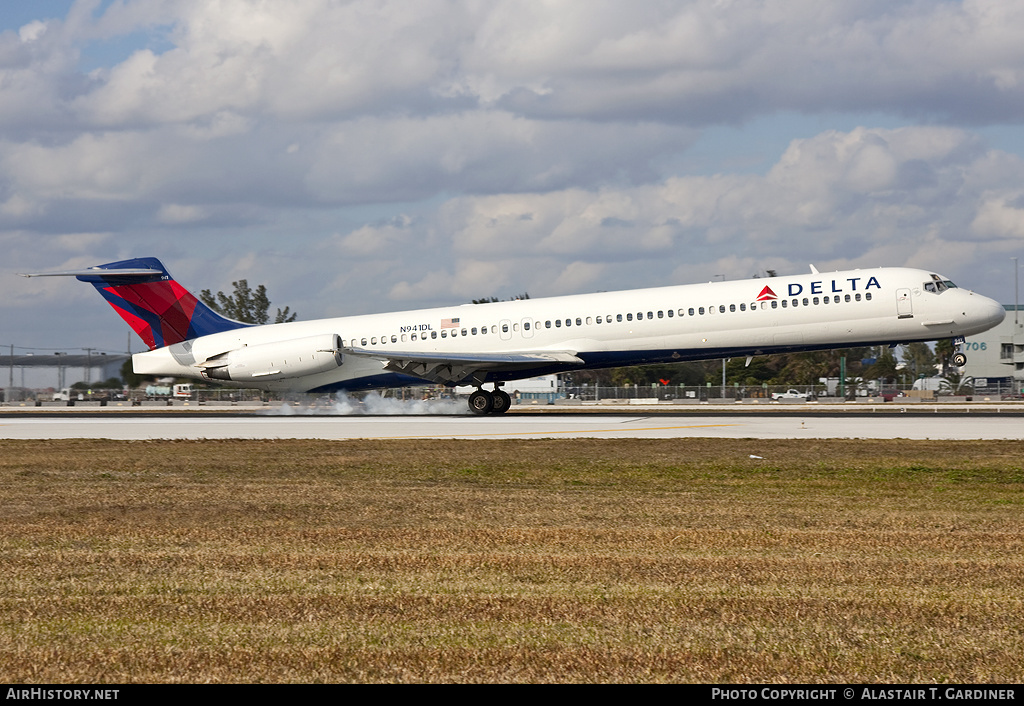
{"x": 251, "y": 307}
{"x": 884, "y": 368}
{"x": 944, "y": 350}
{"x": 920, "y": 359}
{"x": 491, "y": 300}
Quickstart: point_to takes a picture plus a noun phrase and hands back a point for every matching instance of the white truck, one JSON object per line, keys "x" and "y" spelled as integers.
{"x": 790, "y": 394}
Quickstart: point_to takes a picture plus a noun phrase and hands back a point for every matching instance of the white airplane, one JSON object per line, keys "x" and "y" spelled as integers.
{"x": 502, "y": 341}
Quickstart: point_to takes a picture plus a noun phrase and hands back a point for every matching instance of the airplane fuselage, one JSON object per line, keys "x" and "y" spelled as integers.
{"x": 606, "y": 329}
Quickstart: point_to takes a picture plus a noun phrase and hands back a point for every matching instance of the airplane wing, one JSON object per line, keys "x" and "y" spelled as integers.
{"x": 454, "y": 368}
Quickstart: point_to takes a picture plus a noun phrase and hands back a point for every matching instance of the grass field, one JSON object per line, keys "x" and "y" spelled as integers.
{"x": 488, "y": 561}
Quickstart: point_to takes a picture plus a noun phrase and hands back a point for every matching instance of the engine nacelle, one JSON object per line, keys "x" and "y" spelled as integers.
{"x": 276, "y": 361}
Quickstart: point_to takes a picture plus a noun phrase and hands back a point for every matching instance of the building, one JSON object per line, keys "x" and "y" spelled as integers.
{"x": 995, "y": 358}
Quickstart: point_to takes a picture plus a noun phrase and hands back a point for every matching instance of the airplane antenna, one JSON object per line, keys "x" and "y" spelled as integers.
{"x": 814, "y": 270}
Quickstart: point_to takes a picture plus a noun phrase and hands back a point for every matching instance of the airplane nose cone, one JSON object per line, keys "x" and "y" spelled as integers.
{"x": 989, "y": 313}
{"x": 994, "y": 312}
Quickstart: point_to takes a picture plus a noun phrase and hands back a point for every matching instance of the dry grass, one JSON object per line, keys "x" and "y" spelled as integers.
{"x": 545, "y": 560}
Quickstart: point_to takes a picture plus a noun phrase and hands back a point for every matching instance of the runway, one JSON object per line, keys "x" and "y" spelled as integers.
{"x": 564, "y": 425}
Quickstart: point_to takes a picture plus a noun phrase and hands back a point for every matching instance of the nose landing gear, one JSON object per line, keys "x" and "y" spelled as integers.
{"x": 959, "y": 358}
{"x": 483, "y": 402}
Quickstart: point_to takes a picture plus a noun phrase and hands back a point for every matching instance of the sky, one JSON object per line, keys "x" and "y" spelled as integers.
{"x": 367, "y": 156}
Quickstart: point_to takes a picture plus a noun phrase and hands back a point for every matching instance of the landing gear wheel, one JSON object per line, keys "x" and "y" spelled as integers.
{"x": 959, "y": 360}
{"x": 501, "y": 402}
{"x": 481, "y": 402}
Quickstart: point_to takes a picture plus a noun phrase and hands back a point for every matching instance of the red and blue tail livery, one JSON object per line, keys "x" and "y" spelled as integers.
{"x": 157, "y": 308}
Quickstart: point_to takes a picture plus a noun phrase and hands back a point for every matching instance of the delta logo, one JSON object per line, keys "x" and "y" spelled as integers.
{"x": 795, "y": 289}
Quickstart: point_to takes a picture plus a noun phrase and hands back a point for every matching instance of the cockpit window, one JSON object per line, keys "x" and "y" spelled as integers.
{"x": 938, "y": 285}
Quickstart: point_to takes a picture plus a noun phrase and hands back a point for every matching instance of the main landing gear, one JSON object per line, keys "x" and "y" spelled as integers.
{"x": 484, "y": 402}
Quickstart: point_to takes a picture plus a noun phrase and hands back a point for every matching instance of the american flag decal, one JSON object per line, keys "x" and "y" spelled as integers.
{"x": 449, "y": 323}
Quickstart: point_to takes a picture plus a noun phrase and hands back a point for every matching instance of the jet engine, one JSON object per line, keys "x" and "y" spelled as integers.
{"x": 276, "y": 361}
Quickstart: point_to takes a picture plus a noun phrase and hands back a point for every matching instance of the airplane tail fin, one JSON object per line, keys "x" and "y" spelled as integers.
{"x": 157, "y": 308}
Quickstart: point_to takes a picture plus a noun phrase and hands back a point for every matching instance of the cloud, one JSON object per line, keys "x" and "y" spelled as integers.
{"x": 692, "y": 63}
{"x": 354, "y": 155}
{"x": 862, "y": 198}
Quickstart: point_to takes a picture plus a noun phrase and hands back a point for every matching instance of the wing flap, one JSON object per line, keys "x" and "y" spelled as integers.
{"x": 452, "y": 368}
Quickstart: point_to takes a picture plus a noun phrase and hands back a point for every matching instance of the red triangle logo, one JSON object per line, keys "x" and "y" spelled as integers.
{"x": 766, "y": 294}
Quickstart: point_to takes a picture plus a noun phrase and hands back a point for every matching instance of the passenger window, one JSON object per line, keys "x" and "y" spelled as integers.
{"x": 444, "y": 334}
{"x": 568, "y": 323}
{"x": 504, "y": 328}
{"x": 364, "y": 341}
{"x": 867, "y": 296}
{"x": 526, "y": 325}
{"x": 473, "y": 330}
{"x": 784, "y": 303}
{"x": 701, "y": 311}
{"x": 589, "y": 321}
{"x": 650, "y": 314}
{"x": 732, "y": 307}
{"x": 806, "y": 301}
{"x": 857, "y": 296}
{"x": 547, "y": 324}
{"x": 598, "y": 319}
{"x": 464, "y": 332}
{"x": 721, "y": 309}
{"x": 847, "y": 297}
{"x": 743, "y": 306}
{"x": 618, "y": 317}
{"x": 433, "y": 334}
{"x": 373, "y": 340}
{"x": 775, "y": 303}
{"x": 671, "y": 313}
{"x": 579, "y": 322}
{"x": 558, "y": 323}
{"x": 815, "y": 301}
{"x": 629, "y": 317}
{"x": 691, "y": 311}
{"x": 394, "y": 339}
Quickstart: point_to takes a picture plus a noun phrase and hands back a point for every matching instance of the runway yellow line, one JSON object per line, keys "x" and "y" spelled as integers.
{"x": 552, "y": 433}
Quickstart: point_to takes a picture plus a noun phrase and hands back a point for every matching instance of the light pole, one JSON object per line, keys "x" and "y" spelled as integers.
{"x": 1016, "y": 293}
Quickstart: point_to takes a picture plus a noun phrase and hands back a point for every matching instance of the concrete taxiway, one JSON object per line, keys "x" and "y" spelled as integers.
{"x": 287, "y": 424}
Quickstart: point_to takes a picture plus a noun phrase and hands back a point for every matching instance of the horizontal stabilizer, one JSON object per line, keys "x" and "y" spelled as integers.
{"x": 97, "y": 272}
